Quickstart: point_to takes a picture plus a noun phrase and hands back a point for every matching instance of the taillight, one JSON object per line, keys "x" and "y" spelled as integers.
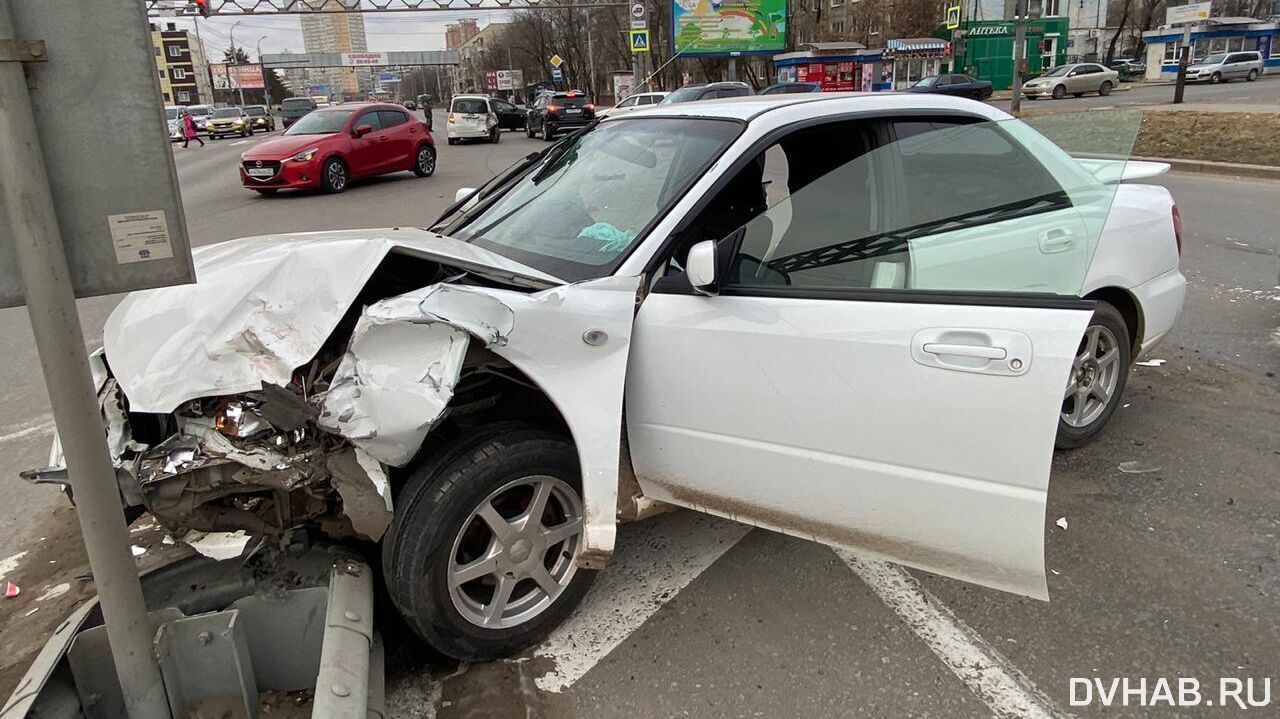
{"x": 553, "y": 108}
{"x": 1177, "y": 228}
{"x": 451, "y": 117}
{"x": 591, "y": 106}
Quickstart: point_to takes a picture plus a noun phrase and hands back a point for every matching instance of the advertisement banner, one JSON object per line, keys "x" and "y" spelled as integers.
{"x": 623, "y": 85}
{"x": 510, "y": 80}
{"x": 1195, "y": 12}
{"x": 231, "y": 77}
{"x": 363, "y": 59}
{"x": 721, "y": 27}
{"x": 491, "y": 80}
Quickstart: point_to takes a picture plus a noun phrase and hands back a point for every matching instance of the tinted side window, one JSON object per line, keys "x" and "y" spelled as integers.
{"x": 959, "y": 80}
{"x": 391, "y": 118}
{"x": 369, "y": 118}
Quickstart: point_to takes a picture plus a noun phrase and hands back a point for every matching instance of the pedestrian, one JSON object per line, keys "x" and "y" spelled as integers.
{"x": 189, "y": 131}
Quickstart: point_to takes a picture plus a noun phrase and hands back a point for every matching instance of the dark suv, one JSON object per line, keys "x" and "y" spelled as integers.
{"x": 556, "y": 111}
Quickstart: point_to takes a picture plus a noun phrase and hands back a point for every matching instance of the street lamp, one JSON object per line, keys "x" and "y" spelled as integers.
{"x": 235, "y": 60}
{"x": 266, "y": 86}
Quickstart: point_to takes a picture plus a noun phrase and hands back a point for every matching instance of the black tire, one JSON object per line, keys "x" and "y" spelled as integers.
{"x": 424, "y": 166}
{"x": 1253, "y": 75}
{"x": 1108, "y": 317}
{"x": 453, "y": 141}
{"x": 548, "y": 132}
{"x": 1215, "y": 78}
{"x": 435, "y": 507}
{"x": 267, "y": 191}
{"x": 333, "y": 176}
{"x": 1105, "y": 88}
{"x": 496, "y": 136}
{"x": 1059, "y": 92}
{"x": 528, "y": 131}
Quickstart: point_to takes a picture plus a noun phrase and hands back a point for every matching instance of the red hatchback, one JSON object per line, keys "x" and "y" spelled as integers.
{"x": 328, "y": 148}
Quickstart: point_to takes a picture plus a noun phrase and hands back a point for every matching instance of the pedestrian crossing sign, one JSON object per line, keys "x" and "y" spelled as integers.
{"x": 639, "y": 41}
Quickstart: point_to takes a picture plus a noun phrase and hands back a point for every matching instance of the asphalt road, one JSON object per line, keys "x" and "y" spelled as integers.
{"x": 1170, "y": 574}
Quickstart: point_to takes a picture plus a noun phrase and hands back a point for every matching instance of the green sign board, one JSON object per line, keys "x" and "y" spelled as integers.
{"x": 721, "y": 27}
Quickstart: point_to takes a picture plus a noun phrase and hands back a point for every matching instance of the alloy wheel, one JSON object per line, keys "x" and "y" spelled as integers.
{"x": 514, "y": 555}
{"x": 337, "y": 176}
{"x": 426, "y": 160}
{"x": 1095, "y": 374}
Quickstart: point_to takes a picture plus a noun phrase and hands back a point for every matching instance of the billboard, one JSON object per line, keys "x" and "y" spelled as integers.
{"x": 231, "y": 77}
{"x": 1194, "y": 12}
{"x": 722, "y": 27}
{"x": 509, "y": 79}
{"x": 364, "y": 59}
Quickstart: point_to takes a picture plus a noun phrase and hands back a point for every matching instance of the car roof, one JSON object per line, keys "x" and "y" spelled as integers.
{"x": 824, "y": 103}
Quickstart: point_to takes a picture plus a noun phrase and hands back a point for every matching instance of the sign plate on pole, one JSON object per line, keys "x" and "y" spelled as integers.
{"x": 953, "y": 17}
{"x": 125, "y": 95}
{"x": 639, "y": 41}
{"x": 556, "y": 74}
{"x": 1195, "y": 12}
{"x": 556, "y": 61}
{"x": 639, "y": 15}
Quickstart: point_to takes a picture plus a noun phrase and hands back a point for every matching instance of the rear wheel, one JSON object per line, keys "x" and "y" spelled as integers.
{"x": 547, "y": 132}
{"x": 453, "y": 141}
{"x": 425, "y": 163}
{"x": 1059, "y": 92}
{"x": 1098, "y": 375}
{"x": 528, "y": 130}
{"x": 333, "y": 176}
{"x": 1105, "y": 88}
{"x": 496, "y": 135}
{"x": 481, "y": 556}
{"x": 1253, "y": 75}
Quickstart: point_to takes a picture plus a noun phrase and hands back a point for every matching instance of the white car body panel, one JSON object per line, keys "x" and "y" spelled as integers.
{"x": 466, "y": 126}
{"x": 807, "y": 416}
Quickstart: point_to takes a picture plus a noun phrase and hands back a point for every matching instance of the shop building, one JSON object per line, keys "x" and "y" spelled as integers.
{"x": 988, "y": 48}
{"x": 1215, "y": 35}
{"x": 837, "y": 66}
{"x": 914, "y": 58}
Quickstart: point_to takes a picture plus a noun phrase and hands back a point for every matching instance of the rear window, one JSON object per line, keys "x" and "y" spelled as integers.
{"x": 566, "y": 101}
{"x": 470, "y": 106}
{"x": 296, "y": 103}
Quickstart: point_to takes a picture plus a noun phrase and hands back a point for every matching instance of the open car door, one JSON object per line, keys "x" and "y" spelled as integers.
{"x": 881, "y": 359}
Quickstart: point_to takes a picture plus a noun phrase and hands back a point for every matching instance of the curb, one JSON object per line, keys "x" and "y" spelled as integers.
{"x": 1233, "y": 169}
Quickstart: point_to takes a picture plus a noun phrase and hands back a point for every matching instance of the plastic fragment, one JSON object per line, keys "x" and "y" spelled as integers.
{"x": 138, "y": 551}
{"x": 1136, "y": 467}
{"x": 1151, "y": 363}
{"x": 1062, "y": 522}
{"x": 217, "y": 545}
{"x": 11, "y": 590}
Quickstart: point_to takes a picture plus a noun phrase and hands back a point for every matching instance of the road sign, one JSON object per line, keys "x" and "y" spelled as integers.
{"x": 639, "y": 15}
{"x": 556, "y": 61}
{"x": 389, "y": 77}
{"x": 953, "y": 17}
{"x": 639, "y": 41}
{"x": 556, "y": 74}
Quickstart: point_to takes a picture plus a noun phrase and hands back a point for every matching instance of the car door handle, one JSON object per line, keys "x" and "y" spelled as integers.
{"x": 980, "y": 351}
{"x": 1057, "y": 239}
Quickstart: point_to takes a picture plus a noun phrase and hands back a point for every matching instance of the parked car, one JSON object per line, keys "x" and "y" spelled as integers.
{"x": 260, "y": 118}
{"x": 173, "y": 120}
{"x": 791, "y": 88}
{"x": 293, "y": 109}
{"x": 1227, "y": 66}
{"x": 880, "y": 369}
{"x": 706, "y": 91}
{"x": 229, "y": 121}
{"x": 330, "y": 147}
{"x": 556, "y": 111}
{"x": 472, "y": 117}
{"x": 958, "y": 85}
{"x": 1129, "y": 69}
{"x": 635, "y": 102}
{"x": 1076, "y": 79}
{"x": 200, "y": 115}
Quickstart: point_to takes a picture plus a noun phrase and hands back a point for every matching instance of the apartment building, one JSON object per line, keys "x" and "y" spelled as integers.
{"x": 180, "y": 66}
{"x": 330, "y": 30}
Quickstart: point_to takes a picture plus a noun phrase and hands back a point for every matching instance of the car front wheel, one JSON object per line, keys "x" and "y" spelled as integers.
{"x": 425, "y": 163}
{"x": 333, "y": 176}
{"x": 1215, "y": 78}
{"x": 1059, "y": 92}
{"x": 481, "y": 556}
{"x": 1098, "y": 375}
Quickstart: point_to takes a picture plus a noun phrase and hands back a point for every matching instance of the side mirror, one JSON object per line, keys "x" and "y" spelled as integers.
{"x": 362, "y": 130}
{"x": 462, "y": 192}
{"x": 701, "y": 267}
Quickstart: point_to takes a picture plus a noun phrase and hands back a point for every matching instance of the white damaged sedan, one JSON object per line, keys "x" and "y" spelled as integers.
{"x": 859, "y": 319}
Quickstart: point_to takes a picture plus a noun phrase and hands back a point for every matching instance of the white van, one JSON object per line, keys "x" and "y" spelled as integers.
{"x": 471, "y": 117}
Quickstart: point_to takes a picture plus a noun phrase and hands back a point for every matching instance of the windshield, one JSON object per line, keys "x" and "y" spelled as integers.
{"x": 576, "y": 213}
{"x": 256, "y": 111}
{"x": 1214, "y": 59}
{"x": 684, "y": 94}
{"x": 1058, "y": 71}
{"x": 927, "y": 81}
{"x": 199, "y": 110}
{"x": 321, "y": 123}
{"x": 470, "y": 106}
{"x": 171, "y": 113}
{"x": 223, "y": 112}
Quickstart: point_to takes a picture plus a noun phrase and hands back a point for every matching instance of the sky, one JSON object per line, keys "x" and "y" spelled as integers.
{"x": 385, "y": 31}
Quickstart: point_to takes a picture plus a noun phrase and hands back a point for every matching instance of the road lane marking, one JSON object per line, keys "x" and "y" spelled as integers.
{"x": 240, "y": 142}
{"x": 654, "y": 561}
{"x": 41, "y": 428}
{"x": 987, "y": 673}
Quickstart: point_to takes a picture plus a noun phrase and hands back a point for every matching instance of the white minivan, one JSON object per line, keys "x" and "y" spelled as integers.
{"x": 472, "y": 118}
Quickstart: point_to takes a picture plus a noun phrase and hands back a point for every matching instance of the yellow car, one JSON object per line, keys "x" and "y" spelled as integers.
{"x": 228, "y": 121}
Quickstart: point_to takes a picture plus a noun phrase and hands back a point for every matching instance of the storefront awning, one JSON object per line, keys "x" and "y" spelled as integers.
{"x": 917, "y": 44}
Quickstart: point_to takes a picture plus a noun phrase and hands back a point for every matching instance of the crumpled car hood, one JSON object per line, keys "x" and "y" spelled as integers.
{"x": 261, "y": 307}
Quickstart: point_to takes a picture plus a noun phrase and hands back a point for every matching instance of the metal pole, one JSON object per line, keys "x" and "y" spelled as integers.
{"x": 208, "y": 69}
{"x": 266, "y": 86}
{"x": 1019, "y": 57}
{"x": 235, "y": 60}
{"x": 51, "y": 305}
{"x": 593, "y": 91}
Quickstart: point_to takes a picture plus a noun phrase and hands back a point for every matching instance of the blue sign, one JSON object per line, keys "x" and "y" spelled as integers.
{"x": 319, "y": 90}
{"x": 556, "y": 74}
{"x": 389, "y": 77}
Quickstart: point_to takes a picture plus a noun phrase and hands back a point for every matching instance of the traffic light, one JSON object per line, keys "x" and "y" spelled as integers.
{"x": 202, "y": 7}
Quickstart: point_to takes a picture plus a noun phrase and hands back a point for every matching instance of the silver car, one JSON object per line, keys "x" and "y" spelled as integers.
{"x": 1227, "y": 66}
{"x": 1076, "y": 79}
